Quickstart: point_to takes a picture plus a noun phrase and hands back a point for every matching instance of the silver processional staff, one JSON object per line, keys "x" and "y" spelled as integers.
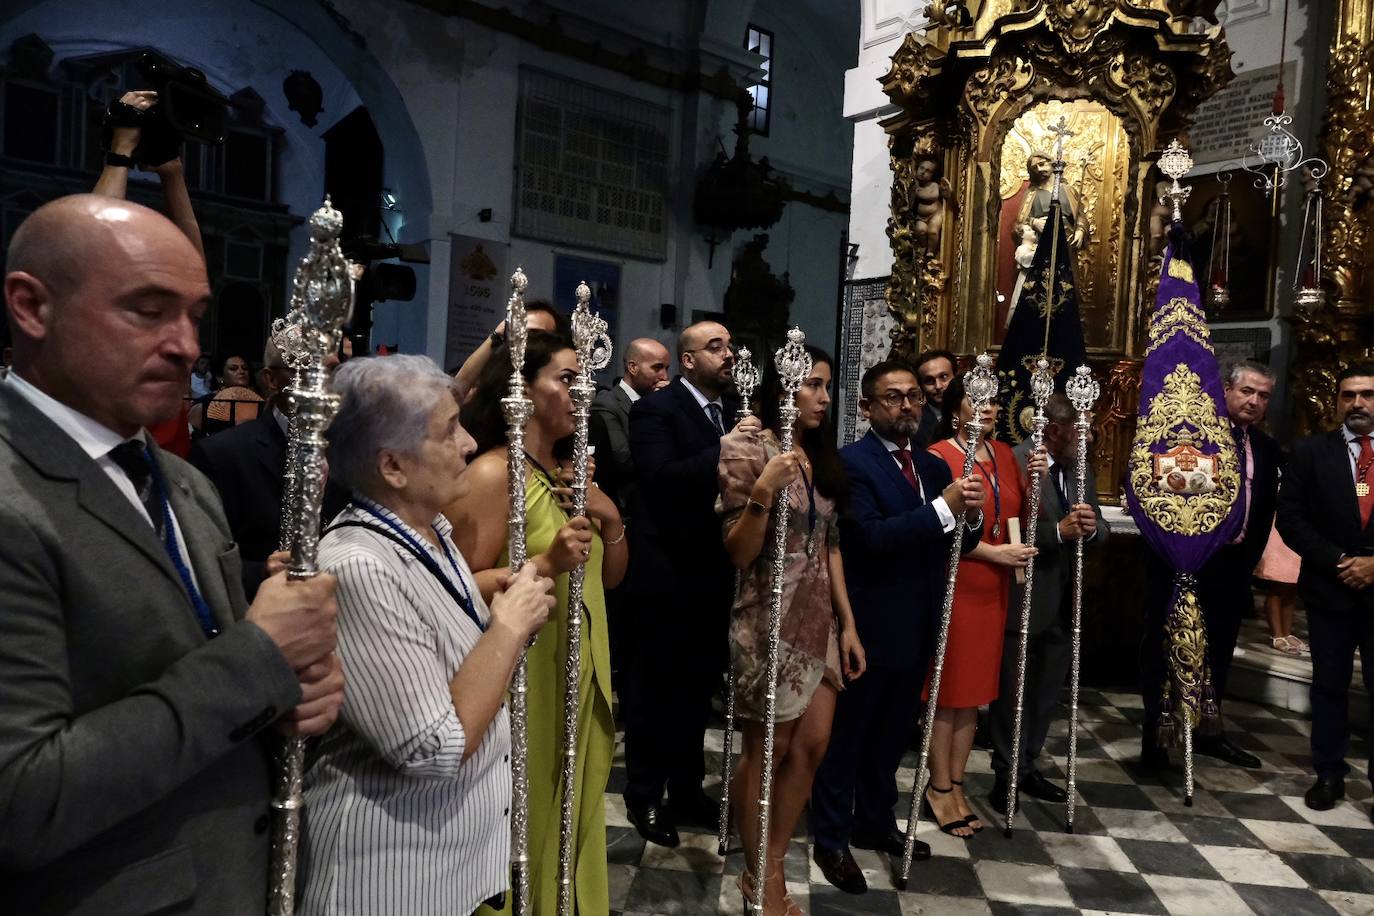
{"x": 794, "y": 365}
{"x": 980, "y": 384}
{"x": 326, "y": 290}
{"x": 1082, "y": 391}
{"x": 593, "y": 348}
{"x": 746, "y": 377}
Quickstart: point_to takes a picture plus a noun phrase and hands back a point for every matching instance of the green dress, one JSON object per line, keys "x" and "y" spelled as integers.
{"x": 596, "y": 728}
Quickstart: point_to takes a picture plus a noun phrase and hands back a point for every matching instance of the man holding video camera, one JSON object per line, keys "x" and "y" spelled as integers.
{"x": 124, "y": 120}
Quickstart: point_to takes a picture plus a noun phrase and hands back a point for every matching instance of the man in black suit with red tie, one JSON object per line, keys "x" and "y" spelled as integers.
{"x": 895, "y": 536}
{"x": 683, "y": 581}
{"x": 1326, "y": 514}
{"x": 1224, "y": 580}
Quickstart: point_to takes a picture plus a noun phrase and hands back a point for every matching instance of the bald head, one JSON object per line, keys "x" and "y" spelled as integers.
{"x": 61, "y": 241}
{"x": 105, "y": 299}
{"x": 705, "y": 357}
{"x": 646, "y": 365}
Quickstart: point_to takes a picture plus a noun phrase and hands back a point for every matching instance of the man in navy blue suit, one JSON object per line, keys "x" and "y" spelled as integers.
{"x": 682, "y": 585}
{"x": 895, "y": 537}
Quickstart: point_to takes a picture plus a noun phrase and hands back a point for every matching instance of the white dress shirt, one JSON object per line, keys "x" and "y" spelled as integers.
{"x": 701, "y": 399}
{"x": 97, "y": 441}
{"x": 630, "y": 392}
{"x": 938, "y": 503}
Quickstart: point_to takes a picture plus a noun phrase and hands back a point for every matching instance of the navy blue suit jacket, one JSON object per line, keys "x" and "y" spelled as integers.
{"x": 676, "y": 536}
{"x": 895, "y": 552}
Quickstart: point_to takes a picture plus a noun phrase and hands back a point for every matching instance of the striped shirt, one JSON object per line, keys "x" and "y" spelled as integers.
{"x": 395, "y": 821}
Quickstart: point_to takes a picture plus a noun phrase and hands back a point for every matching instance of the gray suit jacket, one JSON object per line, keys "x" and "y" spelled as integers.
{"x": 615, "y": 467}
{"x": 1053, "y": 580}
{"x": 132, "y": 776}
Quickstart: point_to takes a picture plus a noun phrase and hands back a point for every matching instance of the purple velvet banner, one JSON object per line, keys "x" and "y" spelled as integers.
{"x": 1182, "y": 475}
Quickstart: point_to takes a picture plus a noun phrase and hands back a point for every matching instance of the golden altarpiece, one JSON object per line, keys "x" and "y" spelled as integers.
{"x": 976, "y": 102}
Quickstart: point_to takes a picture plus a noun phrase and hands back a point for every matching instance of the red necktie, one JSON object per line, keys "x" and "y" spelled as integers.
{"x": 908, "y": 471}
{"x": 1363, "y": 467}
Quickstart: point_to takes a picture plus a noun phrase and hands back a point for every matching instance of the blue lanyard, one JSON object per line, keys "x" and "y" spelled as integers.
{"x": 461, "y": 594}
{"x": 996, "y": 485}
{"x": 204, "y": 616}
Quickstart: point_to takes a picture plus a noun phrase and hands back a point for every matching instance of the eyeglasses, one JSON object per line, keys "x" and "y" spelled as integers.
{"x": 715, "y": 348}
{"x": 896, "y": 399}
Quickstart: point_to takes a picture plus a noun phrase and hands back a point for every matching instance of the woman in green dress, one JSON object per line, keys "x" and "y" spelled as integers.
{"x": 555, "y": 544}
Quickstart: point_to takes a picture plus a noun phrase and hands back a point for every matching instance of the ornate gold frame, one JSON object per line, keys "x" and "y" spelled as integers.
{"x": 1340, "y": 330}
{"x": 959, "y": 91}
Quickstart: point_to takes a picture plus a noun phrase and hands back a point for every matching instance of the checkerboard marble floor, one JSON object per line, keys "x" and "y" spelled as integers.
{"x": 1248, "y": 844}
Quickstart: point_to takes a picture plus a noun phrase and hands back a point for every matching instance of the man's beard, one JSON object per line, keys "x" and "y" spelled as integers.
{"x": 903, "y": 427}
{"x": 1359, "y": 422}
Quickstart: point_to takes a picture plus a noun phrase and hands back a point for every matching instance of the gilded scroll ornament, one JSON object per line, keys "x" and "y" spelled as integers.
{"x": 1078, "y": 22}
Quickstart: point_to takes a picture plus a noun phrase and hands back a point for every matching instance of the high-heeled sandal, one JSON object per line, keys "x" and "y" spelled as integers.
{"x": 976, "y": 828}
{"x": 949, "y": 827}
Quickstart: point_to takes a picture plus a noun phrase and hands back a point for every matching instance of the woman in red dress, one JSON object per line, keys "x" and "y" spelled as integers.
{"x": 974, "y": 653}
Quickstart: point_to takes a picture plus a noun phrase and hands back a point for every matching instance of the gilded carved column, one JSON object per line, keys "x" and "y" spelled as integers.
{"x": 1341, "y": 330}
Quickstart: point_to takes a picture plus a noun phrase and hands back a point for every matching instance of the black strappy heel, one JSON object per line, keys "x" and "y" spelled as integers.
{"x": 972, "y": 817}
{"x": 950, "y": 827}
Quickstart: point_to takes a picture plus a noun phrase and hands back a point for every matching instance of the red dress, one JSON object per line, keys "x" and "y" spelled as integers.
{"x": 973, "y": 657}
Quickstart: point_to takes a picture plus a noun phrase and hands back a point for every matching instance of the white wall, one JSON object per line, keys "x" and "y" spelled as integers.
{"x": 465, "y": 79}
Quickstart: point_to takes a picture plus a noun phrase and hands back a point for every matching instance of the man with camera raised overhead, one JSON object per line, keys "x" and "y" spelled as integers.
{"x": 124, "y": 127}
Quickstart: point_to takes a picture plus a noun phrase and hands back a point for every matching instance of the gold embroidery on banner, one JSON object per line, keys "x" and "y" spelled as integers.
{"x": 1179, "y": 316}
{"x": 1182, "y": 413}
{"x": 1187, "y": 647}
{"x": 1180, "y": 269}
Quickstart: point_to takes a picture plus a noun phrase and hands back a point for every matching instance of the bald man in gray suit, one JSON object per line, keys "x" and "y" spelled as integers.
{"x": 135, "y": 685}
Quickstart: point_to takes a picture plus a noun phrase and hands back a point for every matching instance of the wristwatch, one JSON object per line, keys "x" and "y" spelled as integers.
{"x": 119, "y": 159}
{"x": 756, "y": 507}
{"x": 497, "y": 338}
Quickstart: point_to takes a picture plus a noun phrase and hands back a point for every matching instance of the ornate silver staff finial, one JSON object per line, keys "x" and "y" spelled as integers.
{"x": 980, "y": 383}
{"x": 746, "y": 376}
{"x": 590, "y": 337}
{"x": 1042, "y": 382}
{"x": 1175, "y": 162}
{"x": 794, "y": 363}
{"x": 1082, "y": 390}
{"x": 516, "y": 332}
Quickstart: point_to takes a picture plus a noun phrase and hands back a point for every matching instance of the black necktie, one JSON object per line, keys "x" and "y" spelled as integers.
{"x": 132, "y": 458}
{"x": 714, "y": 410}
{"x": 1060, "y": 477}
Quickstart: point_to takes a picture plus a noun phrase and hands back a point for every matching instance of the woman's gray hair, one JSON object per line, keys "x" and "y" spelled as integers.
{"x": 386, "y": 404}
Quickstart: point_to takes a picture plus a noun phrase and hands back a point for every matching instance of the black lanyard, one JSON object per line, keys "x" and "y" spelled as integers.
{"x": 398, "y": 535}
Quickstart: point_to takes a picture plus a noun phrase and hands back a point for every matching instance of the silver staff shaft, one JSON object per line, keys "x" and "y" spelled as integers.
{"x": 746, "y": 379}
{"x": 326, "y": 303}
{"x": 981, "y": 385}
{"x": 517, "y": 409}
{"x": 1032, "y": 521}
{"x": 1082, "y": 391}
{"x": 793, "y": 365}
{"x": 593, "y": 353}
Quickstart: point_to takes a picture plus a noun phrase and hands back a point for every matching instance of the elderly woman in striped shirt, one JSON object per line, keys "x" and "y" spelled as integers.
{"x": 408, "y": 797}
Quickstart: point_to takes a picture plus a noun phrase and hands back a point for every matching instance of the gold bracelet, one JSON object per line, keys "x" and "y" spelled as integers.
{"x": 623, "y": 528}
